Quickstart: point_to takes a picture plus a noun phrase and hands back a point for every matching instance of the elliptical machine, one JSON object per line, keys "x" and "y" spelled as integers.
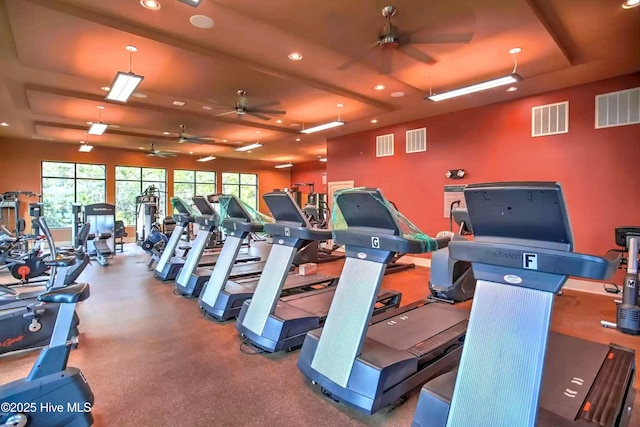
{"x": 628, "y": 311}
{"x": 52, "y": 394}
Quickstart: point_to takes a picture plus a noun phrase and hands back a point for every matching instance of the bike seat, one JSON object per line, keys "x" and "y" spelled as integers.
{"x": 68, "y": 294}
{"x": 64, "y": 261}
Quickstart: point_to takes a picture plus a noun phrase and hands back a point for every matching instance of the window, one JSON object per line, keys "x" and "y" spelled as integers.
{"x": 242, "y": 185}
{"x": 188, "y": 183}
{"x": 66, "y": 183}
{"x": 130, "y": 182}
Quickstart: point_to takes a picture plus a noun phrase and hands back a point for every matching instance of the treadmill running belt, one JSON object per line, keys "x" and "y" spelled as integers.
{"x": 316, "y": 303}
{"x": 602, "y": 404}
{"x": 416, "y": 325}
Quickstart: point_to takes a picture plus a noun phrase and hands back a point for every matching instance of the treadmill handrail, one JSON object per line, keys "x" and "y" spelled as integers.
{"x": 552, "y": 261}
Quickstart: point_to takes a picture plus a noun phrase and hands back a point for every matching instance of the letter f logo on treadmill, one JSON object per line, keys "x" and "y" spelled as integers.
{"x": 530, "y": 261}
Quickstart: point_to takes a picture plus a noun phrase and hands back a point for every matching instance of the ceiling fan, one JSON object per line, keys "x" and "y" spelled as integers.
{"x": 241, "y": 108}
{"x": 390, "y": 39}
{"x": 158, "y": 153}
{"x": 183, "y": 137}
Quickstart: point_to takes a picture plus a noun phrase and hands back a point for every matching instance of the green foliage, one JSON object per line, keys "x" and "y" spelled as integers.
{"x": 131, "y": 173}
{"x": 180, "y": 175}
{"x": 66, "y": 183}
{"x": 230, "y": 178}
{"x": 203, "y": 177}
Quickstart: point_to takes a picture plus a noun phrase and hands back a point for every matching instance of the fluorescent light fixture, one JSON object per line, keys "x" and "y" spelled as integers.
{"x": 490, "y": 84}
{"x": 85, "y": 148}
{"x": 4, "y": 124}
{"x": 206, "y": 159}
{"x": 630, "y": 4}
{"x": 284, "y": 165}
{"x": 323, "y": 159}
{"x": 323, "y": 127}
{"x": 97, "y": 128}
{"x": 249, "y": 147}
{"x": 193, "y": 3}
{"x": 123, "y": 86}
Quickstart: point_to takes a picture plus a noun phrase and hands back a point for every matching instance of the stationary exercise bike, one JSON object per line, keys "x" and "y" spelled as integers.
{"x": 628, "y": 311}
{"x": 52, "y": 394}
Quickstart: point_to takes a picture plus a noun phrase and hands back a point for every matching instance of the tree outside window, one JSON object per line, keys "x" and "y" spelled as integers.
{"x": 242, "y": 185}
{"x": 66, "y": 183}
{"x": 188, "y": 183}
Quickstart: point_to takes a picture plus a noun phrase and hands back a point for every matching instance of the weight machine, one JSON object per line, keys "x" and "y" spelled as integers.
{"x": 101, "y": 243}
{"x": 10, "y": 221}
{"x": 147, "y": 212}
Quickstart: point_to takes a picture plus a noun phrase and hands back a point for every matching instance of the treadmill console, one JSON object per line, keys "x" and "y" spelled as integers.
{"x": 285, "y": 210}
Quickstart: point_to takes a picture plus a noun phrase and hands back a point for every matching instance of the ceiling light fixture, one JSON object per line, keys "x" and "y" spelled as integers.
{"x": 105, "y": 88}
{"x": 139, "y": 95}
{"x": 4, "y": 124}
{"x": 323, "y": 159}
{"x": 298, "y": 139}
{"x": 397, "y": 94}
{"x": 84, "y": 148}
{"x": 477, "y": 87}
{"x": 284, "y": 165}
{"x": 178, "y": 103}
{"x": 194, "y": 3}
{"x": 512, "y": 89}
{"x": 374, "y": 120}
{"x": 98, "y": 128}
{"x": 207, "y": 107}
{"x": 324, "y": 126}
{"x": 249, "y": 147}
{"x": 278, "y": 121}
{"x": 295, "y": 56}
{"x": 150, "y": 4}
{"x": 630, "y": 4}
{"x": 124, "y": 84}
{"x": 339, "y": 105}
{"x": 206, "y": 159}
{"x": 378, "y": 87}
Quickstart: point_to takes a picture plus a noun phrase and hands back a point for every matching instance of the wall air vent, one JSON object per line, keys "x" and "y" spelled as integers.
{"x": 384, "y": 145}
{"x": 618, "y": 108}
{"x": 550, "y": 119}
{"x": 416, "y": 140}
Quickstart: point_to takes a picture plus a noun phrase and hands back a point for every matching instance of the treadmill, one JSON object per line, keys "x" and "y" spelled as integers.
{"x": 513, "y": 372}
{"x": 191, "y": 278}
{"x": 367, "y": 362}
{"x": 271, "y": 322}
{"x": 168, "y": 265}
{"x": 223, "y": 298}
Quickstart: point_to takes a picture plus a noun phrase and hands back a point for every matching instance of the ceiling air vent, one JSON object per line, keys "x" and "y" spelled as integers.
{"x": 416, "y": 140}
{"x": 384, "y": 145}
{"x": 550, "y": 119}
{"x": 618, "y": 108}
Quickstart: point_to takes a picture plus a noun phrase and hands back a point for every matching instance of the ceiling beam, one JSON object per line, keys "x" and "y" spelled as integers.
{"x": 552, "y": 23}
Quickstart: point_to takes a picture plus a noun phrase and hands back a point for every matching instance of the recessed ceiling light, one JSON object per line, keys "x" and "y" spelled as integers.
{"x": 298, "y": 139}
{"x": 249, "y": 151}
{"x": 4, "y": 124}
{"x": 207, "y": 107}
{"x": 150, "y": 4}
{"x": 201, "y": 21}
{"x": 339, "y": 105}
{"x": 89, "y": 123}
{"x": 323, "y": 159}
{"x": 515, "y": 50}
{"x": 224, "y": 140}
{"x": 512, "y": 89}
{"x": 397, "y": 94}
{"x": 190, "y": 152}
{"x": 166, "y": 133}
{"x": 278, "y": 121}
{"x": 379, "y": 87}
{"x": 295, "y": 124}
{"x": 374, "y": 121}
{"x": 179, "y": 103}
{"x": 138, "y": 95}
{"x": 140, "y": 148}
{"x": 105, "y": 88}
{"x": 630, "y": 4}
{"x": 295, "y": 56}
{"x": 258, "y": 131}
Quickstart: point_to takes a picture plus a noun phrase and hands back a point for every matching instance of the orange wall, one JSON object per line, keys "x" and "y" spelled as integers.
{"x": 20, "y": 166}
{"x": 598, "y": 168}
{"x": 308, "y": 172}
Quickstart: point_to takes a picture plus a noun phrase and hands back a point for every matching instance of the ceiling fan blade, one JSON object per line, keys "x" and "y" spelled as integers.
{"x": 226, "y": 113}
{"x": 260, "y": 110}
{"x": 417, "y": 54}
{"x": 258, "y": 115}
{"x": 385, "y": 62}
{"x": 417, "y": 38}
{"x": 357, "y": 59}
{"x": 263, "y": 105}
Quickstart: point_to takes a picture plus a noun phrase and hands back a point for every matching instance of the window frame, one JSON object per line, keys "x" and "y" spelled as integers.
{"x": 75, "y": 180}
{"x": 240, "y": 185}
{"x": 195, "y": 181}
